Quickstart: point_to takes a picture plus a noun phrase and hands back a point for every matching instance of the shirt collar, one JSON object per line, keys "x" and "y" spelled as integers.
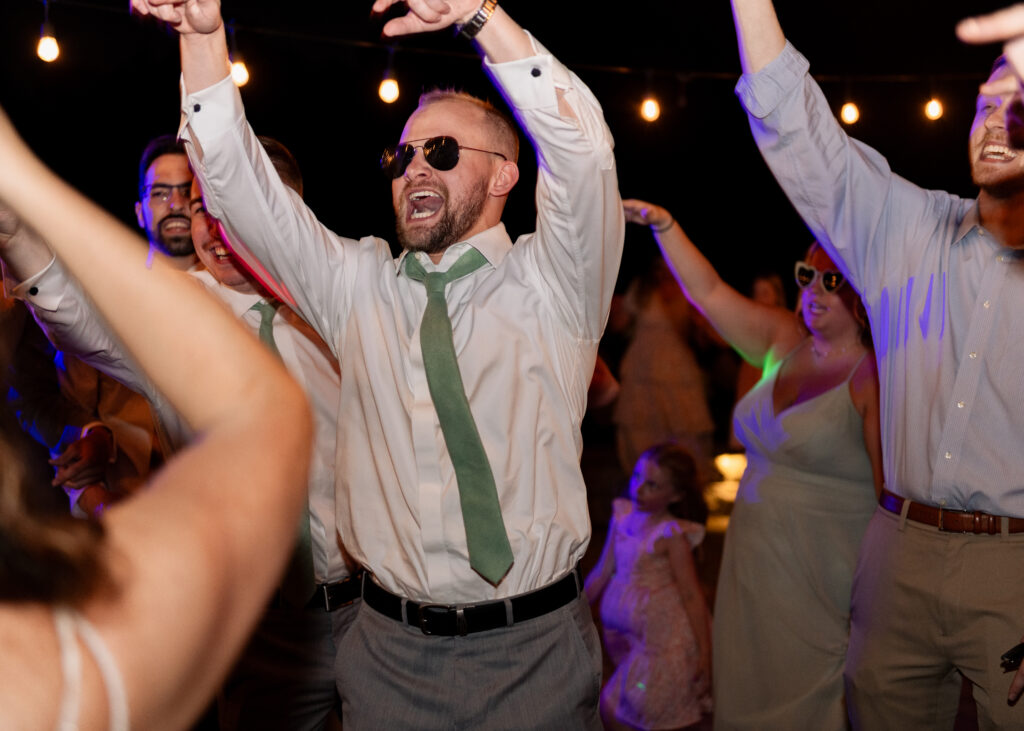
{"x": 238, "y": 302}
{"x": 970, "y": 220}
{"x": 494, "y": 244}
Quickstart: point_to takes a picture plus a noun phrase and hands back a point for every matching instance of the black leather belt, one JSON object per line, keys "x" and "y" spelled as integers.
{"x": 463, "y": 619}
{"x": 337, "y": 594}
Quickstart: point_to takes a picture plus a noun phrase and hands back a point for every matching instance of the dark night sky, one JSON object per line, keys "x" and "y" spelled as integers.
{"x": 316, "y": 66}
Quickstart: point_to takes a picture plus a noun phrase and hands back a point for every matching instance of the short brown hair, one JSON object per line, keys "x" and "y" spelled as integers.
{"x": 501, "y": 127}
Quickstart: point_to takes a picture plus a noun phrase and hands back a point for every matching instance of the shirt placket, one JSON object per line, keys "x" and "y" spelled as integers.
{"x": 428, "y": 446}
{"x": 965, "y": 386}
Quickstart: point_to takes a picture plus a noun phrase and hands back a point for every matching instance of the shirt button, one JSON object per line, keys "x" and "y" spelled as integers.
{"x": 196, "y": 107}
{"x": 949, "y": 455}
{"x": 959, "y": 404}
{"x": 535, "y": 72}
{"x": 986, "y": 304}
{"x": 972, "y": 355}
{"x": 33, "y": 291}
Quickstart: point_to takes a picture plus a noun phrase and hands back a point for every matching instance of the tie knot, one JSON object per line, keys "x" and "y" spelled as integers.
{"x": 435, "y": 282}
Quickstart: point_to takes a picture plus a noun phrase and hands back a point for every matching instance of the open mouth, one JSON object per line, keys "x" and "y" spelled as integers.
{"x": 997, "y": 153}
{"x": 424, "y": 204}
{"x": 816, "y": 309}
{"x": 221, "y": 252}
{"x": 175, "y": 226}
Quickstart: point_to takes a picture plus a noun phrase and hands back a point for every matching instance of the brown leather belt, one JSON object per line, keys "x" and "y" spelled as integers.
{"x": 951, "y": 521}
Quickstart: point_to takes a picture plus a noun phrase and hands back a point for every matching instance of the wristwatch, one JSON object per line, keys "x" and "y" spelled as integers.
{"x": 471, "y": 27}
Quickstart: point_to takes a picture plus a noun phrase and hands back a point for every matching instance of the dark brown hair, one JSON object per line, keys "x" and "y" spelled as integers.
{"x": 44, "y": 558}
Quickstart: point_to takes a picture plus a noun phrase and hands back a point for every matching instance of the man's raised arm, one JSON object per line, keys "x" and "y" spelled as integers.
{"x": 758, "y": 32}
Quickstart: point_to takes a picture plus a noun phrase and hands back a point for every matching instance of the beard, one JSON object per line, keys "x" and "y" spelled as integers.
{"x": 172, "y": 244}
{"x": 457, "y": 218}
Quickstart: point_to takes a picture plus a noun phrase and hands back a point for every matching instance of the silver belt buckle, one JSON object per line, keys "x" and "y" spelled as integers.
{"x": 422, "y": 618}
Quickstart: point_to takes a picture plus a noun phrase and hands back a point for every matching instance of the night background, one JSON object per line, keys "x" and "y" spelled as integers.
{"x": 316, "y": 65}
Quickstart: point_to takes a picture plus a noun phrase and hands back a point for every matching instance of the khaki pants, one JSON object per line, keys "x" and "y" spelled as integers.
{"x": 925, "y": 605}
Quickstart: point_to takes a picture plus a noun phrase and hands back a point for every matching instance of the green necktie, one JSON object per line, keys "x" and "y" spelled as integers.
{"x": 299, "y": 580}
{"x": 490, "y": 554}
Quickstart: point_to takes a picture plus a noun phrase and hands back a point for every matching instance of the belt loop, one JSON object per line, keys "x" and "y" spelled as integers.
{"x": 576, "y": 578}
{"x": 1004, "y": 526}
{"x": 904, "y": 509}
{"x": 509, "y": 618}
{"x": 405, "y": 614}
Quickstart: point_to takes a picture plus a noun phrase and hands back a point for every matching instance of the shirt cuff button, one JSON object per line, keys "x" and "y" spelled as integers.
{"x": 33, "y": 291}
{"x": 535, "y": 72}
{"x": 196, "y": 107}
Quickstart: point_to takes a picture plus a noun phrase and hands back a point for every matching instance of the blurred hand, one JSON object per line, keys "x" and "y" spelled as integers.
{"x": 185, "y": 16}
{"x": 85, "y": 460}
{"x": 645, "y": 213}
{"x": 1018, "y": 683}
{"x": 1005, "y": 25}
{"x": 427, "y": 15}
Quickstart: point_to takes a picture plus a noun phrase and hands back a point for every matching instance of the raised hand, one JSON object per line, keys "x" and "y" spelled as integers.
{"x": 1005, "y": 25}
{"x": 85, "y": 460}
{"x": 185, "y": 16}
{"x": 426, "y": 15}
{"x": 646, "y": 214}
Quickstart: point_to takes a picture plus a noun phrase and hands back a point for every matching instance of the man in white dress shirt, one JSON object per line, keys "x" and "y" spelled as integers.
{"x": 435, "y": 643}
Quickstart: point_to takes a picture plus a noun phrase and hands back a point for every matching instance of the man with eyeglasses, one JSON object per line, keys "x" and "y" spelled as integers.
{"x": 162, "y": 210}
{"x": 465, "y": 368}
{"x": 938, "y": 594}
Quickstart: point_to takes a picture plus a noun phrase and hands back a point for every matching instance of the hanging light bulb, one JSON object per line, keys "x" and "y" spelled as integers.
{"x": 849, "y": 113}
{"x": 239, "y": 72}
{"x": 47, "y": 49}
{"x": 933, "y": 109}
{"x": 388, "y": 90}
{"x": 650, "y": 110}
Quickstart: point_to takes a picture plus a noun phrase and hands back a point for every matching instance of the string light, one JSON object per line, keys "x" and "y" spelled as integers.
{"x": 388, "y": 89}
{"x": 47, "y": 49}
{"x": 650, "y": 110}
{"x": 239, "y": 72}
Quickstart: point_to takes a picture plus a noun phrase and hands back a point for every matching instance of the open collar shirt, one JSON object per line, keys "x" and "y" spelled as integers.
{"x": 526, "y": 328}
{"x": 943, "y": 295}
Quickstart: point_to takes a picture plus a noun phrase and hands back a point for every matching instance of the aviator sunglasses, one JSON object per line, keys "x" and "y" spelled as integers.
{"x": 806, "y": 274}
{"x": 441, "y": 153}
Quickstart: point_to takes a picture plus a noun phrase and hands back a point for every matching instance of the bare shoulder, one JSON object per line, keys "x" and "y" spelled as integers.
{"x": 864, "y": 382}
{"x": 29, "y": 667}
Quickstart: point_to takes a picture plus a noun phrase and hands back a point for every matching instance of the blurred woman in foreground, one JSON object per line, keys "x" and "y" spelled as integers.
{"x": 134, "y": 620}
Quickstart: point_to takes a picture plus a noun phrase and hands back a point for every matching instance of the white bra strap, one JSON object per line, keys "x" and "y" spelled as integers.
{"x": 117, "y": 701}
{"x": 70, "y": 669}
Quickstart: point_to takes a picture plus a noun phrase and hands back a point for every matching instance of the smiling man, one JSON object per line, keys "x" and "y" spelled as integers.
{"x": 938, "y": 594}
{"x": 465, "y": 369}
{"x": 162, "y": 209}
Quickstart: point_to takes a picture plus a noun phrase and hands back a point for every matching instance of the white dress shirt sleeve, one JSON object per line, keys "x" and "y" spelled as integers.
{"x": 268, "y": 225}
{"x": 580, "y": 224}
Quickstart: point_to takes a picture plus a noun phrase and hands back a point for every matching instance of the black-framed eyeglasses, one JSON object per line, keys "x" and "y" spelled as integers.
{"x": 441, "y": 153}
{"x": 806, "y": 274}
{"x": 163, "y": 191}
